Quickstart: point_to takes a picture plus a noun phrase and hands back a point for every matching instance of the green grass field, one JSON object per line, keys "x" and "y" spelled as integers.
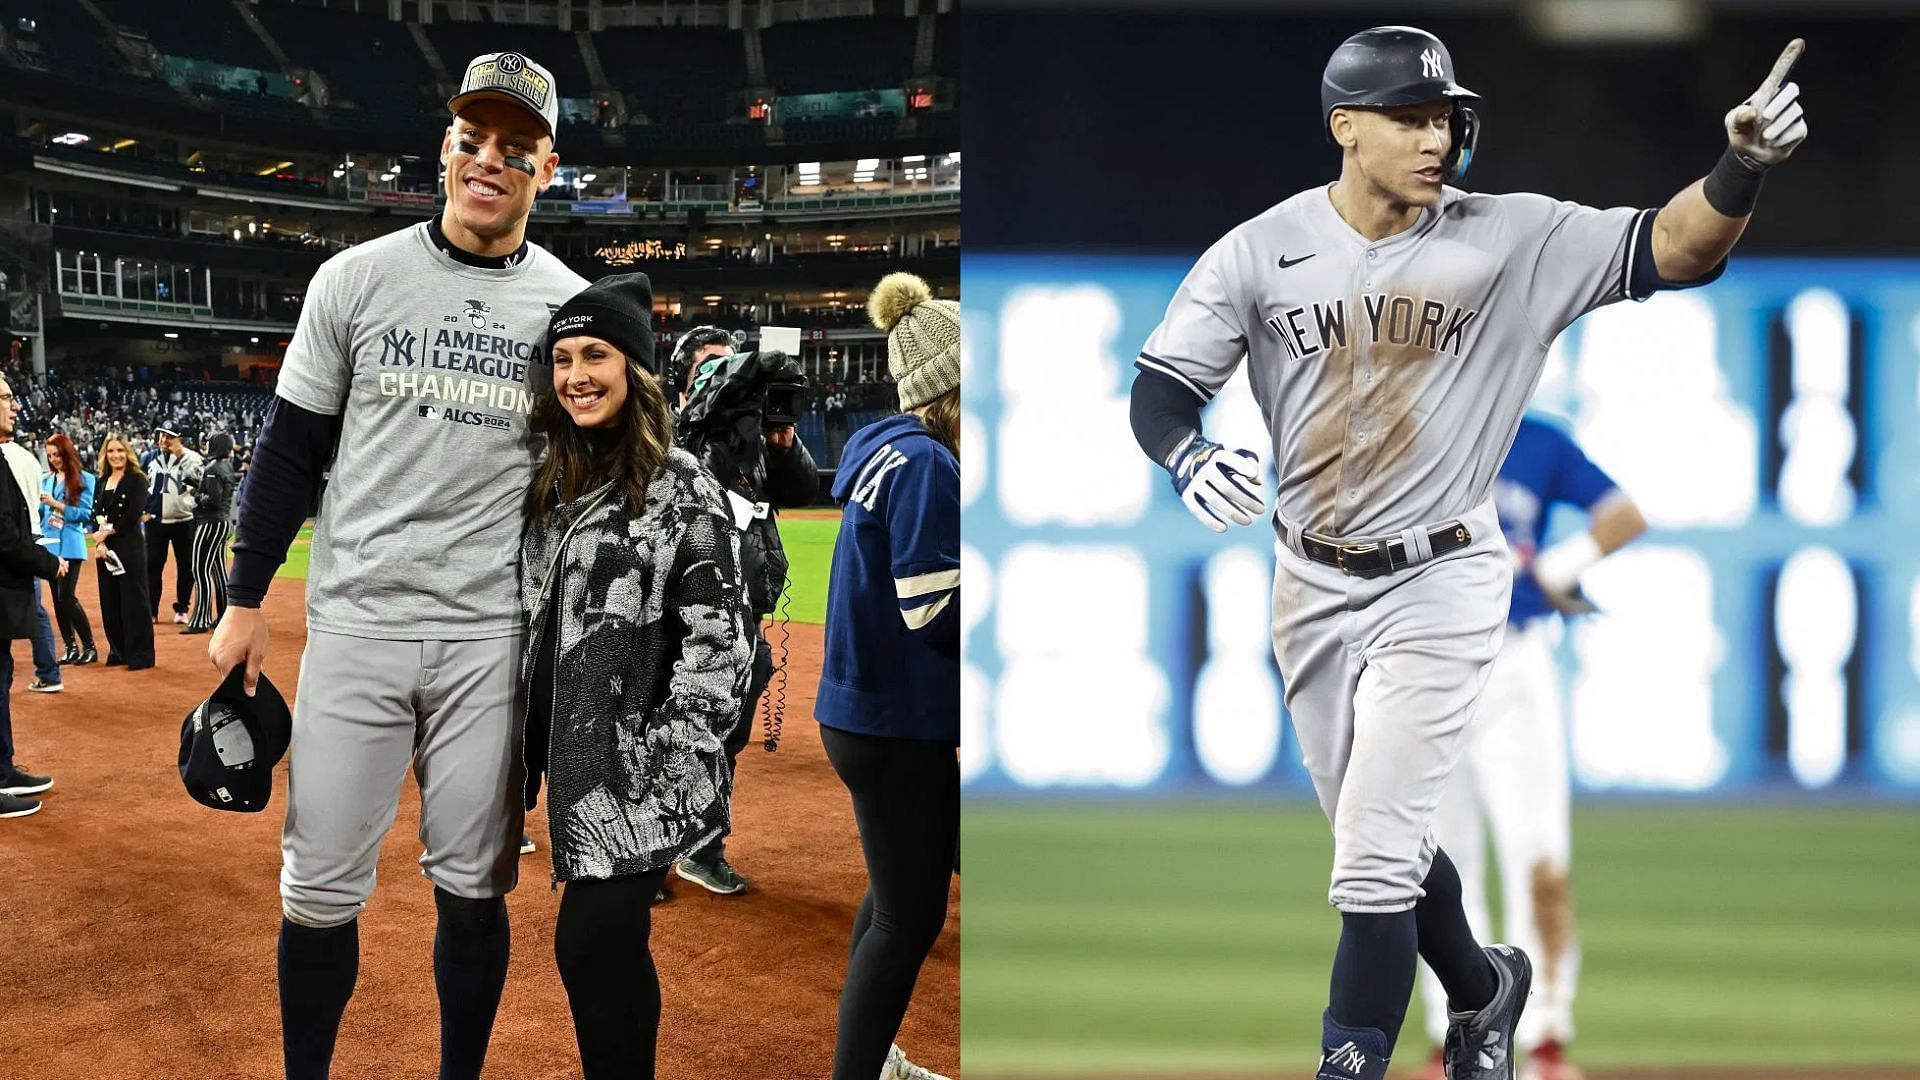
{"x": 809, "y": 544}
{"x": 1156, "y": 937}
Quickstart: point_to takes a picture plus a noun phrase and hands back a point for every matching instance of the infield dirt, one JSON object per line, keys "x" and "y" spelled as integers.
{"x": 139, "y": 926}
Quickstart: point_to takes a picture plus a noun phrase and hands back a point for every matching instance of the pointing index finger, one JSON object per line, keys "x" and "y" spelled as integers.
{"x": 1788, "y": 57}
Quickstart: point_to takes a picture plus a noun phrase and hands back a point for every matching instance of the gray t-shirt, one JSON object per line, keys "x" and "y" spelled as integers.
{"x": 432, "y": 364}
{"x": 1393, "y": 374}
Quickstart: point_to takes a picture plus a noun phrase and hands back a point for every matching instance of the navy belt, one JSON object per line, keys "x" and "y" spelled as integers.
{"x": 1373, "y": 558}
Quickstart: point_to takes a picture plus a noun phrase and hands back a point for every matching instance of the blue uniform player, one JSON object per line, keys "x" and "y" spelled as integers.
{"x": 1513, "y": 776}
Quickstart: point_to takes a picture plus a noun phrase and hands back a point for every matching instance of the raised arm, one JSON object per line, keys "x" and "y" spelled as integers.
{"x": 1700, "y": 225}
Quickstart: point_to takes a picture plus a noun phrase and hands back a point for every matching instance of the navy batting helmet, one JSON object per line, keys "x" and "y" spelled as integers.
{"x": 1400, "y": 65}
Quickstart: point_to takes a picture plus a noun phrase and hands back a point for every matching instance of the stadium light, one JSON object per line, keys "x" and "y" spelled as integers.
{"x": 809, "y": 168}
{"x": 72, "y": 138}
{"x": 170, "y": 336}
{"x": 911, "y": 158}
{"x": 256, "y": 341}
{"x": 589, "y": 178}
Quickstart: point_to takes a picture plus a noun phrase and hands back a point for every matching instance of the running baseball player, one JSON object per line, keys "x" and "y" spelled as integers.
{"x": 1394, "y": 327}
{"x": 1513, "y": 777}
{"x": 417, "y": 353}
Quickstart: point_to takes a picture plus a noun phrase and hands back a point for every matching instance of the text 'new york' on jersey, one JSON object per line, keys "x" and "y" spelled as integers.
{"x": 1392, "y": 374}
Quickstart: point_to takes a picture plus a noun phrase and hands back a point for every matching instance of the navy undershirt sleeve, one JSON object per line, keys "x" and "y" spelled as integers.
{"x": 1643, "y": 277}
{"x": 289, "y": 459}
{"x": 1162, "y": 412}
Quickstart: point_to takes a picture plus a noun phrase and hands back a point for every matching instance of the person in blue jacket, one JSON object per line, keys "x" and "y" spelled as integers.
{"x": 889, "y": 698}
{"x": 66, "y": 512}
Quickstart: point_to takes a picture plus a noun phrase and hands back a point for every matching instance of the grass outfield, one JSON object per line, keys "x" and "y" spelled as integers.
{"x": 808, "y": 539}
{"x": 1181, "y": 938}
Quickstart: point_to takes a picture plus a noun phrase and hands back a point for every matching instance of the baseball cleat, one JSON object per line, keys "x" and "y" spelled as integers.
{"x": 1479, "y": 1045}
{"x": 897, "y": 1067}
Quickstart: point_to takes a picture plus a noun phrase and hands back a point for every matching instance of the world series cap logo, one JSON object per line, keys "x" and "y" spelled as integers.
{"x": 511, "y": 63}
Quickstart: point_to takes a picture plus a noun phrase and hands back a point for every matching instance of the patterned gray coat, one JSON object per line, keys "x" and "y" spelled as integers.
{"x": 656, "y": 649}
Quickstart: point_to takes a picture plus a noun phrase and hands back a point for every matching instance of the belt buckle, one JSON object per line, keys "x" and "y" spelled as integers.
{"x": 1340, "y": 557}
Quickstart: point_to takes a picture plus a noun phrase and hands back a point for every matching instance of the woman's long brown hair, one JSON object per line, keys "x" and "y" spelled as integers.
{"x": 69, "y": 464}
{"x": 573, "y": 466}
{"x": 942, "y": 418}
{"x": 133, "y": 460}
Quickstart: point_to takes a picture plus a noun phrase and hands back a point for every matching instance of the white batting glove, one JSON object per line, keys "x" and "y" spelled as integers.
{"x": 1217, "y": 484}
{"x": 1767, "y": 127}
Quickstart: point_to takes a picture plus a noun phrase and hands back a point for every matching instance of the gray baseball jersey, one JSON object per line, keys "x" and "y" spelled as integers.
{"x": 1392, "y": 374}
{"x": 433, "y": 363}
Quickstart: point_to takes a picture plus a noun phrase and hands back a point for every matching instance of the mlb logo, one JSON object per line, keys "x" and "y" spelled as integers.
{"x": 429, "y": 412}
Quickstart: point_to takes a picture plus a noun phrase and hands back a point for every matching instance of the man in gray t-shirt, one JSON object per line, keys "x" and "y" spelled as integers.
{"x": 1393, "y": 328}
{"x": 417, "y": 354}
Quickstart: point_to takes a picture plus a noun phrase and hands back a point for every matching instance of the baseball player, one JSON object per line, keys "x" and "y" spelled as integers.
{"x": 418, "y": 353}
{"x": 1394, "y": 327}
{"x": 1513, "y": 775}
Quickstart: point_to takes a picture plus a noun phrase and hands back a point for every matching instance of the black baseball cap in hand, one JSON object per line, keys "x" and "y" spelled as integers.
{"x": 230, "y": 743}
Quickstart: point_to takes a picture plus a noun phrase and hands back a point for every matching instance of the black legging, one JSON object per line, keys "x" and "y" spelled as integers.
{"x": 906, "y": 799}
{"x": 67, "y": 610}
{"x": 600, "y": 942}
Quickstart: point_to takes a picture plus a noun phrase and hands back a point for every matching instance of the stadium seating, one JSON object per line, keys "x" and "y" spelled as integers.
{"x": 554, "y": 49}
{"x": 196, "y": 28}
{"x": 677, "y": 75}
{"x": 820, "y": 56}
{"x": 946, "y": 45}
{"x": 364, "y": 57}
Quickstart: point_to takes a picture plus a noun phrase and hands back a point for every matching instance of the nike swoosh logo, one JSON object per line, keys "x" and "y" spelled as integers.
{"x": 1286, "y": 263}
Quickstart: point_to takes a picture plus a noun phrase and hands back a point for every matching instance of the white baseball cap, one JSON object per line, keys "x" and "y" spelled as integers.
{"x": 514, "y": 78}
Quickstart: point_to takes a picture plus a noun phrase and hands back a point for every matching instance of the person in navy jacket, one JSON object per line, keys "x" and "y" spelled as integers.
{"x": 889, "y": 698}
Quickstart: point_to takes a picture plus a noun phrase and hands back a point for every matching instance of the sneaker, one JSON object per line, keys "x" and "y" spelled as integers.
{"x": 88, "y": 655}
{"x": 897, "y": 1067}
{"x": 15, "y": 806}
{"x": 1479, "y": 1045}
{"x": 18, "y": 781}
{"x": 72, "y": 654}
{"x": 180, "y": 618}
{"x": 716, "y": 876}
{"x": 41, "y": 686}
{"x": 526, "y": 845}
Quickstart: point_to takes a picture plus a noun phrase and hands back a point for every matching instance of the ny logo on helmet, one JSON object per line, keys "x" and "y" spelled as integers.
{"x": 1430, "y": 65}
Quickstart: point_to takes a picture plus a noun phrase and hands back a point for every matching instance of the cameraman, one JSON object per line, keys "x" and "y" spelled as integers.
{"x": 752, "y": 450}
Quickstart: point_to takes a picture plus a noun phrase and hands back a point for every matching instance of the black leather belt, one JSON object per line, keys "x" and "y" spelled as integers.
{"x": 1377, "y": 557}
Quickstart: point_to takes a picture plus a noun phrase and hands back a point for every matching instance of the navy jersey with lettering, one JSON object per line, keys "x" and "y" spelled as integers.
{"x": 1544, "y": 467}
{"x": 892, "y": 662}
